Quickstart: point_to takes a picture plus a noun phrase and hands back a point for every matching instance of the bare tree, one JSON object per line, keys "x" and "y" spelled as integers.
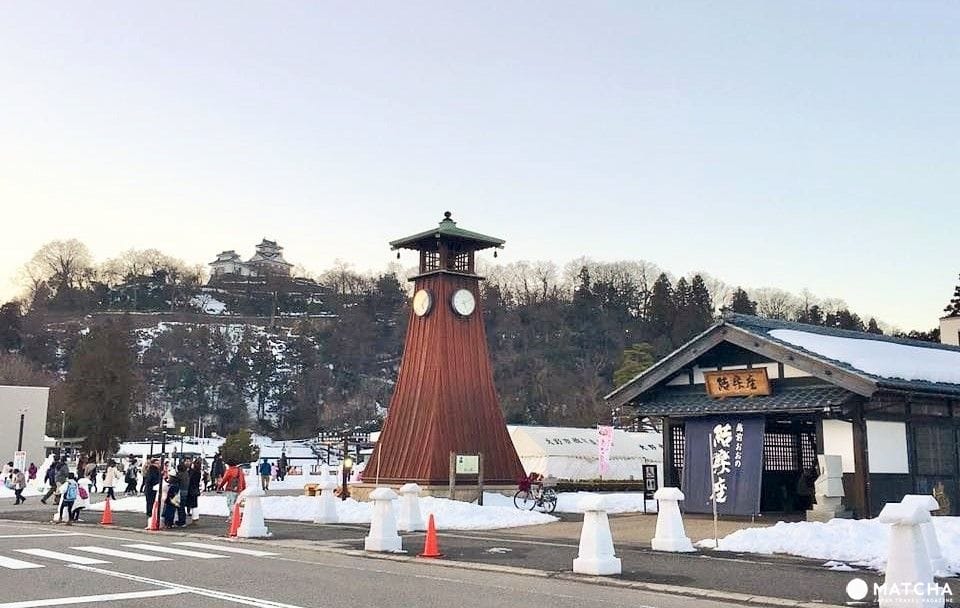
{"x": 775, "y": 303}
{"x": 60, "y": 264}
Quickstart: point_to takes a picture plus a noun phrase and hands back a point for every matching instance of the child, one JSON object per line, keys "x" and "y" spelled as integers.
{"x": 68, "y": 495}
{"x": 83, "y": 499}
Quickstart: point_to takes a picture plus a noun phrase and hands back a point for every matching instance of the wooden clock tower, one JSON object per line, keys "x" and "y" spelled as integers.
{"x": 444, "y": 400}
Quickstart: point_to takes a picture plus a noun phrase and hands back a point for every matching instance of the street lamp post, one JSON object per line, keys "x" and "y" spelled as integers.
{"x": 347, "y": 465}
{"x": 23, "y": 413}
{"x": 63, "y": 427}
{"x": 183, "y": 430}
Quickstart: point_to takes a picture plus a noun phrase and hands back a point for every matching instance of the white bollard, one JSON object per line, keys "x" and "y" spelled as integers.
{"x": 410, "y": 519}
{"x": 596, "y": 555}
{"x": 909, "y": 579}
{"x": 929, "y": 503}
{"x": 383, "y": 527}
{"x": 326, "y": 503}
{"x": 252, "y": 524}
{"x": 670, "y": 535}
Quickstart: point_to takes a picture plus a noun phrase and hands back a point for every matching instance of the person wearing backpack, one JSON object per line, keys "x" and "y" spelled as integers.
{"x": 130, "y": 477}
{"x": 56, "y": 477}
{"x": 68, "y": 495}
{"x": 83, "y": 499}
{"x": 233, "y": 483}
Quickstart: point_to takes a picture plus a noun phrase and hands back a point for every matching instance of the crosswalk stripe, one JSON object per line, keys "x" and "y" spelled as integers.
{"x": 138, "y": 557}
{"x": 64, "y": 557}
{"x": 16, "y": 564}
{"x": 226, "y": 549}
{"x": 173, "y": 551}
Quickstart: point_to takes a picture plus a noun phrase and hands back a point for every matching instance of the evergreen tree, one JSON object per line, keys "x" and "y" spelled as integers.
{"x": 238, "y": 448}
{"x": 635, "y": 360}
{"x": 742, "y": 304}
{"x": 873, "y": 328}
{"x": 953, "y": 308}
{"x": 811, "y": 316}
{"x": 101, "y": 387}
{"x": 663, "y": 310}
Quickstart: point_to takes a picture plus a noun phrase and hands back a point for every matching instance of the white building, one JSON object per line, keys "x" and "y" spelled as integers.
{"x": 31, "y": 403}
{"x": 950, "y": 330}
{"x": 267, "y": 261}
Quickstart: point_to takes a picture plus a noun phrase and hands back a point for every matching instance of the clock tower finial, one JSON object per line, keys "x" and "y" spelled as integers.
{"x": 444, "y": 400}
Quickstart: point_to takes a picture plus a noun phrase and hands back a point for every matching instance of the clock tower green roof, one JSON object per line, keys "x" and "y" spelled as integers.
{"x": 449, "y": 232}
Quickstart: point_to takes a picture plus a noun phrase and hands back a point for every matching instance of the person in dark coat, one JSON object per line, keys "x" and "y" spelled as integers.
{"x": 171, "y": 501}
{"x": 193, "y": 491}
{"x": 150, "y": 481}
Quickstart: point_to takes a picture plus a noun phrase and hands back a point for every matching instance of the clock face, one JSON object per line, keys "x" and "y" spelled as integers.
{"x": 463, "y": 302}
{"x": 422, "y": 302}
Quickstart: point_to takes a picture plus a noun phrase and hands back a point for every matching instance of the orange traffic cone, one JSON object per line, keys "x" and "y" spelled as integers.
{"x": 430, "y": 547}
{"x": 107, "y": 519}
{"x": 154, "y": 524}
{"x": 235, "y": 519}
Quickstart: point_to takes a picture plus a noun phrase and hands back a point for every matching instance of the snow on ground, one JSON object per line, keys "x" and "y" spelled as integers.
{"x": 884, "y": 359}
{"x": 854, "y": 542}
{"x": 449, "y": 514}
{"x": 208, "y": 304}
{"x": 569, "y": 502}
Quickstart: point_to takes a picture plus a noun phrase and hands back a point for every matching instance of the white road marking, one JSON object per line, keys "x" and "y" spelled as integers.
{"x": 237, "y": 550}
{"x": 108, "y": 597}
{"x": 173, "y": 551}
{"x": 220, "y": 595}
{"x": 137, "y": 557}
{"x": 16, "y": 564}
{"x": 39, "y": 535}
{"x": 64, "y": 557}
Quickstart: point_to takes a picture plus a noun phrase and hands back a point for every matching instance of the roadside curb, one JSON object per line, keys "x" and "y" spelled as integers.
{"x": 315, "y": 546}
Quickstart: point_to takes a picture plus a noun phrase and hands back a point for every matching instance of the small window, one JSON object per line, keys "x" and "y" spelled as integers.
{"x": 431, "y": 261}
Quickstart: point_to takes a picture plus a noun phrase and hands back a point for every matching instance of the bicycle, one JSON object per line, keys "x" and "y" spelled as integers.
{"x": 534, "y": 493}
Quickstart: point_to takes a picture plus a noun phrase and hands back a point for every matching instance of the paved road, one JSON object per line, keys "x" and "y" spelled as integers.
{"x": 60, "y": 566}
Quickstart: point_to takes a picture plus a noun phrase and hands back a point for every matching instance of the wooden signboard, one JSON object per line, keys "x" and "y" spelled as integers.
{"x": 738, "y": 382}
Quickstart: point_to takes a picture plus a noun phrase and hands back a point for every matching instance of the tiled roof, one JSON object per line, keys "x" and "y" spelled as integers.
{"x": 784, "y": 400}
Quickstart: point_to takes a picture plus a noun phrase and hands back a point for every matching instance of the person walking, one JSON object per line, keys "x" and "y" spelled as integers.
{"x": 130, "y": 477}
{"x": 150, "y": 480}
{"x": 82, "y": 501}
{"x": 56, "y": 476}
{"x": 68, "y": 495}
{"x": 32, "y": 472}
{"x": 282, "y": 465}
{"x": 7, "y": 470}
{"x": 90, "y": 472}
{"x": 264, "y": 470}
{"x": 233, "y": 482}
{"x": 110, "y": 478}
{"x": 19, "y": 483}
{"x": 193, "y": 491}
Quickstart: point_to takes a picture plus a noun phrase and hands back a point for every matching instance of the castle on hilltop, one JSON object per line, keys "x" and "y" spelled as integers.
{"x": 266, "y": 262}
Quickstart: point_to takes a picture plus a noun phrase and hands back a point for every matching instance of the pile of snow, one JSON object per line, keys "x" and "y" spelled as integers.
{"x": 208, "y": 304}
{"x": 449, "y": 514}
{"x": 879, "y": 358}
{"x": 859, "y": 543}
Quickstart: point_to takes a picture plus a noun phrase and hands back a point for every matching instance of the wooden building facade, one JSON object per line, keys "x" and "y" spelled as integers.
{"x": 889, "y": 407}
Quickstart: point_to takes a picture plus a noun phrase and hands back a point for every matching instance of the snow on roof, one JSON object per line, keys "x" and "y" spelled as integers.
{"x": 880, "y": 358}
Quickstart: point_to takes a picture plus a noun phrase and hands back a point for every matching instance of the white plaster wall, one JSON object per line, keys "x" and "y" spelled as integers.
{"x": 34, "y": 400}
{"x": 887, "y": 445}
{"x": 838, "y": 440}
{"x": 950, "y": 330}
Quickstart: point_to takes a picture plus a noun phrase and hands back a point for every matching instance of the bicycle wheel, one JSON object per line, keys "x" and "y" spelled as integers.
{"x": 549, "y": 504}
{"x": 524, "y": 499}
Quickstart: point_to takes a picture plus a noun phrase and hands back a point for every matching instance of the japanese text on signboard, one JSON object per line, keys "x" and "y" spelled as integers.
{"x": 725, "y": 442}
{"x": 737, "y": 383}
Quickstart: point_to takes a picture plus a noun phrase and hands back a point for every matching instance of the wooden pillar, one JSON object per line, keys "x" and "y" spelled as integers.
{"x": 861, "y": 458}
{"x": 668, "y": 469}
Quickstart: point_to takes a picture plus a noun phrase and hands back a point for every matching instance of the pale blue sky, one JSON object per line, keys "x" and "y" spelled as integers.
{"x": 797, "y": 145}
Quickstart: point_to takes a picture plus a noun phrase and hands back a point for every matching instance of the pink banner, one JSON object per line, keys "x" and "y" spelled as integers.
{"x": 604, "y": 445}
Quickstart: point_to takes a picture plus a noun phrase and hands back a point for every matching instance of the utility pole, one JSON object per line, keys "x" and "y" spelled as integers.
{"x": 23, "y": 413}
